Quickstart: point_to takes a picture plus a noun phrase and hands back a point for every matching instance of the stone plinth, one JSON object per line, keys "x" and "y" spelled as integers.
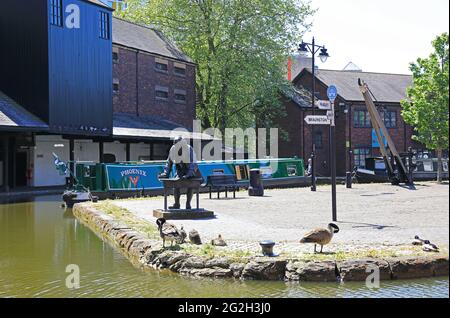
{"x": 183, "y": 214}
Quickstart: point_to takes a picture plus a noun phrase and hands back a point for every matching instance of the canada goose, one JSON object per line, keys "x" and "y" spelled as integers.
{"x": 417, "y": 240}
{"x": 194, "y": 237}
{"x": 219, "y": 241}
{"x": 429, "y": 247}
{"x": 168, "y": 231}
{"x": 320, "y": 236}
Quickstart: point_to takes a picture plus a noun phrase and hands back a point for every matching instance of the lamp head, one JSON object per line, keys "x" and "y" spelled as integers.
{"x": 324, "y": 55}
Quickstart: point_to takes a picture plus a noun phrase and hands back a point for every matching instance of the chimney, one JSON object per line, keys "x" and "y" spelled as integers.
{"x": 296, "y": 64}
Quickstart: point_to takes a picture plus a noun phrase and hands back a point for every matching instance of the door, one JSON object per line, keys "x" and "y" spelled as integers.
{"x": 21, "y": 169}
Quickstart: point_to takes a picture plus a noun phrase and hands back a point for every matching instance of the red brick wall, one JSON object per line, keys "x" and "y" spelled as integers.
{"x": 137, "y": 81}
{"x": 300, "y": 133}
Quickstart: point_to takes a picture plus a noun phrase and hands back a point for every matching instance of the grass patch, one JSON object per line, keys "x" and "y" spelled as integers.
{"x": 127, "y": 218}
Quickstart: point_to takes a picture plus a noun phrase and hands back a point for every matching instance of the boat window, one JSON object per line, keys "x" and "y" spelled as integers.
{"x": 242, "y": 172}
{"x": 291, "y": 170}
{"x": 218, "y": 171}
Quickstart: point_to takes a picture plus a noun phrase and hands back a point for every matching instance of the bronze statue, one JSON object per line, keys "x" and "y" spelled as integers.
{"x": 183, "y": 156}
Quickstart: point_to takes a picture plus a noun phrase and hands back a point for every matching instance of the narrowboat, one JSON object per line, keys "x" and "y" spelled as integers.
{"x": 424, "y": 169}
{"x": 130, "y": 179}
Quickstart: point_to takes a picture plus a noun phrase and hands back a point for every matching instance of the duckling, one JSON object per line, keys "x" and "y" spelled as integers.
{"x": 168, "y": 231}
{"x": 320, "y": 236}
{"x": 417, "y": 240}
{"x": 219, "y": 241}
{"x": 429, "y": 247}
{"x": 194, "y": 237}
{"x": 183, "y": 235}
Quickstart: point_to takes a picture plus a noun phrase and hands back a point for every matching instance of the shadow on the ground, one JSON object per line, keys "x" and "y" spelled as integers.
{"x": 226, "y": 199}
{"x": 408, "y": 186}
{"x": 377, "y": 194}
{"x": 374, "y": 226}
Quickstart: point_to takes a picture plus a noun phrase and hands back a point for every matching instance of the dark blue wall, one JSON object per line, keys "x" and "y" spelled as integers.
{"x": 62, "y": 75}
{"x": 24, "y": 54}
{"x": 80, "y": 73}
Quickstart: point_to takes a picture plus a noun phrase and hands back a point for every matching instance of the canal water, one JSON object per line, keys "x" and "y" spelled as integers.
{"x": 39, "y": 239}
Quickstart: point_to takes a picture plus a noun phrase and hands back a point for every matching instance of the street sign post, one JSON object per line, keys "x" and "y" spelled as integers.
{"x": 317, "y": 120}
{"x": 332, "y": 95}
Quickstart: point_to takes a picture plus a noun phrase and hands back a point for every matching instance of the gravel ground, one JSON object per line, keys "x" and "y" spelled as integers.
{"x": 369, "y": 215}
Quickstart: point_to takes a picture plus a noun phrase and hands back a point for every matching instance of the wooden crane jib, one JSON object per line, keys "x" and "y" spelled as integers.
{"x": 395, "y": 165}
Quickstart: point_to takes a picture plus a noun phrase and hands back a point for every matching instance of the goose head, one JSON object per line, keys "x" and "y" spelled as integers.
{"x": 160, "y": 222}
{"x": 333, "y": 228}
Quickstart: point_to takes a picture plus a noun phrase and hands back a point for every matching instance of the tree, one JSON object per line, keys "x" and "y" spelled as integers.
{"x": 240, "y": 48}
{"x": 427, "y": 109}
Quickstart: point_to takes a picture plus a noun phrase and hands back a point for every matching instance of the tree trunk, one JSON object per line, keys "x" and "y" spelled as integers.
{"x": 439, "y": 170}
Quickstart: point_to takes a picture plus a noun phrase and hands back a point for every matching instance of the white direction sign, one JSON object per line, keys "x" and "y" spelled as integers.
{"x": 317, "y": 120}
{"x": 324, "y": 104}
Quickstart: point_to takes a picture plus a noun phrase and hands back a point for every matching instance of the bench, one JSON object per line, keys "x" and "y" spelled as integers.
{"x": 217, "y": 182}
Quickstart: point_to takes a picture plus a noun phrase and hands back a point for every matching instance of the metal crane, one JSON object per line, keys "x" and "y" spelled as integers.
{"x": 395, "y": 166}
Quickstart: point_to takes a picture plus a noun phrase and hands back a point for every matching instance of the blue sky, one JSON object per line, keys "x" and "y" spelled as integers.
{"x": 378, "y": 35}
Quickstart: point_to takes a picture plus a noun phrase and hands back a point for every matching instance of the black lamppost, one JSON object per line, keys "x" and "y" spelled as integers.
{"x": 313, "y": 49}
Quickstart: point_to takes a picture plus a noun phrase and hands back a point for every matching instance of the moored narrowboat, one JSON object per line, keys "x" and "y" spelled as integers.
{"x": 130, "y": 179}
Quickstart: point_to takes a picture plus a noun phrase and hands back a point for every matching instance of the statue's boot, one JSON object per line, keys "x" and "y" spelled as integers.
{"x": 189, "y": 195}
{"x": 177, "y": 195}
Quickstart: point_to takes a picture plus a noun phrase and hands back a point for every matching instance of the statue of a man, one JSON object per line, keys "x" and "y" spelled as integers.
{"x": 183, "y": 156}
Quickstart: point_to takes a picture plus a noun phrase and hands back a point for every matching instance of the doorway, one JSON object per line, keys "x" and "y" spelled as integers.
{"x": 21, "y": 168}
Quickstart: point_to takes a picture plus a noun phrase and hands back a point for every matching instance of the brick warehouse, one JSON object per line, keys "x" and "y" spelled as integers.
{"x": 354, "y": 134}
{"x": 126, "y": 88}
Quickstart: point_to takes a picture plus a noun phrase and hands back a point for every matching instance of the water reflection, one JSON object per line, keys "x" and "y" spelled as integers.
{"x": 38, "y": 239}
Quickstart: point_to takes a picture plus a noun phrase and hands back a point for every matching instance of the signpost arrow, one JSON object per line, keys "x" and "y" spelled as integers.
{"x": 317, "y": 120}
{"x": 323, "y": 104}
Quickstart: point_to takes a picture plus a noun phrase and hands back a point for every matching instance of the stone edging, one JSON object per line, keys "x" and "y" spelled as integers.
{"x": 148, "y": 253}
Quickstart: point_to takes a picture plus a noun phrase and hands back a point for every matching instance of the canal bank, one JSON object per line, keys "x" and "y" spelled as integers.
{"x": 39, "y": 239}
{"x": 136, "y": 236}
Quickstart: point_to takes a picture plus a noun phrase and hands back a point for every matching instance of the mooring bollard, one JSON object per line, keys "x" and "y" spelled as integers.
{"x": 267, "y": 247}
{"x": 349, "y": 180}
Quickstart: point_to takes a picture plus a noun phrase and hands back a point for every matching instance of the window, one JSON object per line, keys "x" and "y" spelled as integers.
{"x": 180, "y": 96}
{"x": 360, "y": 155}
{"x": 318, "y": 140}
{"x": 161, "y": 67}
{"x": 361, "y": 119}
{"x": 179, "y": 69}
{"x": 115, "y": 86}
{"x": 104, "y": 25}
{"x": 389, "y": 118}
{"x": 115, "y": 55}
{"x": 56, "y": 14}
{"x": 161, "y": 93}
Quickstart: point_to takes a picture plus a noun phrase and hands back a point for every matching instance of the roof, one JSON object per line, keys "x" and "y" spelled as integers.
{"x": 99, "y": 3}
{"x": 150, "y": 127}
{"x": 299, "y": 95}
{"x": 146, "y": 39}
{"x": 389, "y": 88}
{"x": 12, "y": 115}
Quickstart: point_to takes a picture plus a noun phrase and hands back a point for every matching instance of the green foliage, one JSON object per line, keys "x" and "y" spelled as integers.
{"x": 427, "y": 109}
{"x": 240, "y": 48}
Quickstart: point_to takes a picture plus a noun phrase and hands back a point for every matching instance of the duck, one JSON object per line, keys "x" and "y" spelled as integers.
{"x": 320, "y": 236}
{"x": 219, "y": 241}
{"x": 429, "y": 247}
{"x": 168, "y": 231}
{"x": 418, "y": 241}
{"x": 194, "y": 237}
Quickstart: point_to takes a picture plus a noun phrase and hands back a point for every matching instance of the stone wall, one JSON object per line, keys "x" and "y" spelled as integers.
{"x": 148, "y": 253}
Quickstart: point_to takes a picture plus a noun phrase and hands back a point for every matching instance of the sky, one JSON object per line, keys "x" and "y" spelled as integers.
{"x": 377, "y": 35}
